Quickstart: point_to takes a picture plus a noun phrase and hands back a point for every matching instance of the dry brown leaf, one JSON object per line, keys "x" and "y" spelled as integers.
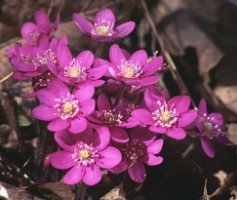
{"x": 232, "y": 133}
{"x": 184, "y": 32}
{"x": 62, "y": 190}
{"x": 233, "y": 193}
{"x": 114, "y": 194}
{"x": 228, "y": 96}
{"x": 221, "y": 176}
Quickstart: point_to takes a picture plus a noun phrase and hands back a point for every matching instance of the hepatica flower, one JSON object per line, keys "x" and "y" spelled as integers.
{"x": 31, "y": 61}
{"x": 31, "y": 31}
{"x": 167, "y": 117}
{"x": 103, "y": 28}
{"x": 65, "y": 110}
{"x": 114, "y": 117}
{"x": 76, "y": 70}
{"x": 84, "y": 155}
{"x": 139, "y": 151}
{"x": 210, "y": 128}
{"x": 135, "y": 70}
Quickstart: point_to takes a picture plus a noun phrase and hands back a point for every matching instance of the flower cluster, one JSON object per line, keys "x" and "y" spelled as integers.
{"x": 105, "y": 114}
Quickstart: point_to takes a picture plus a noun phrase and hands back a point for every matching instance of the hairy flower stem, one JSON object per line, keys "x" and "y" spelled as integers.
{"x": 99, "y": 50}
{"x": 80, "y": 191}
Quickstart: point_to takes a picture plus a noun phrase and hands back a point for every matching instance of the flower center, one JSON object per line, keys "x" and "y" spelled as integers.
{"x": 40, "y": 60}
{"x": 103, "y": 28}
{"x": 133, "y": 150}
{"x": 66, "y": 107}
{"x": 74, "y": 70}
{"x": 43, "y": 80}
{"x": 128, "y": 69}
{"x": 85, "y": 154}
{"x": 211, "y": 128}
{"x": 111, "y": 118}
{"x": 165, "y": 116}
{"x": 208, "y": 127}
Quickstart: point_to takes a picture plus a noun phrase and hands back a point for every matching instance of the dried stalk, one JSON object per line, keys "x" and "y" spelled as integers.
{"x": 170, "y": 63}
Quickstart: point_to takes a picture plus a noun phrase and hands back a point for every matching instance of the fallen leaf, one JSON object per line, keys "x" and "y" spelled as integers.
{"x": 228, "y": 96}
{"x": 114, "y": 194}
{"x": 232, "y": 133}
{"x": 184, "y": 31}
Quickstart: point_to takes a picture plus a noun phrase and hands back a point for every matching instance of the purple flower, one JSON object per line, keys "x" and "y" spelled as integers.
{"x": 102, "y": 28}
{"x": 135, "y": 70}
{"x": 76, "y": 70}
{"x": 114, "y": 117}
{"x": 31, "y": 32}
{"x": 167, "y": 117}
{"x": 65, "y": 110}
{"x": 84, "y": 155}
{"x": 140, "y": 150}
{"x": 31, "y": 61}
{"x": 210, "y": 128}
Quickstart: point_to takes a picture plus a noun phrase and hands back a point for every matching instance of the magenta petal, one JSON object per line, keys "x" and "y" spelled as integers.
{"x": 207, "y": 147}
{"x": 58, "y": 88}
{"x": 42, "y": 20}
{"x": 202, "y": 107}
{"x": 84, "y": 92}
{"x": 137, "y": 172}
{"x": 103, "y": 102}
{"x": 110, "y": 157}
{"x": 143, "y": 135}
{"x": 155, "y": 147}
{"x": 66, "y": 140}
{"x": 64, "y": 55}
{"x": 87, "y": 107}
{"x": 102, "y": 137}
{"x": 28, "y": 27}
{"x": 153, "y": 160}
{"x": 139, "y": 57}
{"x": 119, "y": 135}
{"x": 44, "y": 112}
{"x": 122, "y": 166}
{"x": 181, "y": 103}
{"x": 144, "y": 81}
{"x": 83, "y": 24}
{"x": 187, "y": 118}
{"x": 153, "y": 66}
{"x": 93, "y": 175}
{"x": 143, "y": 116}
{"x": 157, "y": 129}
{"x": 176, "y": 133}
{"x": 57, "y": 125}
{"x": 124, "y": 29}
{"x": 74, "y": 175}
{"x": 151, "y": 96}
{"x": 116, "y": 55}
{"x": 78, "y": 125}
{"x": 105, "y": 15}
{"x": 62, "y": 160}
{"x": 97, "y": 72}
{"x": 217, "y": 118}
{"x": 86, "y": 59}
{"x": 46, "y": 97}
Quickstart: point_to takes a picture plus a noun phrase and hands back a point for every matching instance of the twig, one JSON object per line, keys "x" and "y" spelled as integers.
{"x": 6, "y": 77}
{"x": 171, "y": 65}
